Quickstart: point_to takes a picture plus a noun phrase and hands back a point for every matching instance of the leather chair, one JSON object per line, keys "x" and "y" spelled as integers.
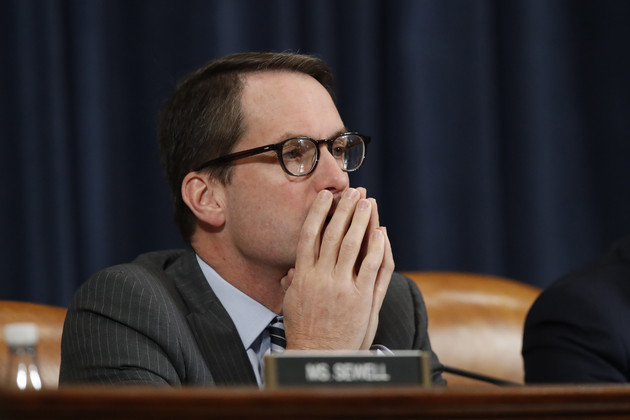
{"x": 50, "y": 320}
{"x": 476, "y": 322}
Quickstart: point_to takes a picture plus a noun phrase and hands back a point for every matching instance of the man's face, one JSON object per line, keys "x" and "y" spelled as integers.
{"x": 265, "y": 207}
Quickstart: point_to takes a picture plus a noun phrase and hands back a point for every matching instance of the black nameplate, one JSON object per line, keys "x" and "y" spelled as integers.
{"x": 334, "y": 368}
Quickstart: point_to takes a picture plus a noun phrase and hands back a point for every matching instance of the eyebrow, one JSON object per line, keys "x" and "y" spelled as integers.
{"x": 290, "y": 135}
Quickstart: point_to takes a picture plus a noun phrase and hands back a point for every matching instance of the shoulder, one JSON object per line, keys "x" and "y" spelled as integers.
{"x": 403, "y": 320}
{"x": 584, "y": 304}
{"x": 600, "y": 289}
{"x": 142, "y": 283}
{"x": 401, "y": 284}
{"x": 403, "y": 309}
{"x": 403, "y": 291}
{"x": 128, "y": 324}
{"x": 573, "y": 331}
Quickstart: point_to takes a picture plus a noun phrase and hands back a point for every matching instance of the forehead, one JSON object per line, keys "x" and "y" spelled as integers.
{"x": 277, "y": 104}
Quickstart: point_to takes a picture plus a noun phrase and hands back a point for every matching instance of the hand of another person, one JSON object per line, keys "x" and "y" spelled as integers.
{"x": 340, "y": 277}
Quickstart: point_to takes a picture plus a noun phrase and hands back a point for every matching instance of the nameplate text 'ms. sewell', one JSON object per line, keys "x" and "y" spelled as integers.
{"x": 340, "y": 368}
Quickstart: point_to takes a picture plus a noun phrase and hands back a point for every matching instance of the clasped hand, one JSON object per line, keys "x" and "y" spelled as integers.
{"x": 342, "y": 271}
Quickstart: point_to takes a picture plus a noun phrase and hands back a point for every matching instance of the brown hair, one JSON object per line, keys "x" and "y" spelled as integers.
{"x": 203, "y": 119}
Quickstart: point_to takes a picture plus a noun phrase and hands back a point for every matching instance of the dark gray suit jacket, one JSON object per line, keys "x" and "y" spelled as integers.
{"x": 156, "y": 321}
{"x": 575, "y": 331}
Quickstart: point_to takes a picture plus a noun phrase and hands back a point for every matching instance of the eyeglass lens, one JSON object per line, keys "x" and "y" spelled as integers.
{"x": 300, "y": 155}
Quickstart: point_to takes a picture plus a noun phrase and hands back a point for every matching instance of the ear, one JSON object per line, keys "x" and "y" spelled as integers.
{"x": 204, "y": 197}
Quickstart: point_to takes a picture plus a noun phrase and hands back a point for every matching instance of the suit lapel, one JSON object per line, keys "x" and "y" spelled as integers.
{"x": 213, "y": 328}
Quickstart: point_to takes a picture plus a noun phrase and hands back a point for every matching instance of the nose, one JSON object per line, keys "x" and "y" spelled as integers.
{"x": 328, "y": 174}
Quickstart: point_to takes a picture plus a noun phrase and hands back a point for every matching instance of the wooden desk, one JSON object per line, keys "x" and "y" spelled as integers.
{"x": 557, "y": 402}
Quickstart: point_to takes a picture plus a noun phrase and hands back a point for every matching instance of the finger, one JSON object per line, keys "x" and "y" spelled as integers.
{"x": 286, "y": 281}
{"x": 374, "y": 223}
{"x": 380, "y": 290}
{"x": 309, "y": 242}
{"x": 363, "y": 194}
{"x": 385, "y": 272}
{"x": 354, "y": 238}
{"x": 337, "y": 227}
{"x": 371, "y": 264}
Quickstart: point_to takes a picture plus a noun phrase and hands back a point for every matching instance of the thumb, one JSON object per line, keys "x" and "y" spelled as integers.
{"x": 286, "y": 281}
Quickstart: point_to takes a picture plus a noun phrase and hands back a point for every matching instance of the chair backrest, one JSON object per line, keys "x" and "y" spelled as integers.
{"x": 50, "y": 320}
{"x": 476, "y": 322}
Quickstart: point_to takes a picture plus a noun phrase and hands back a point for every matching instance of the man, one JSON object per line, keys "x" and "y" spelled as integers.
{"x": 274, "y": 229}
{"x": 576, "y": 331}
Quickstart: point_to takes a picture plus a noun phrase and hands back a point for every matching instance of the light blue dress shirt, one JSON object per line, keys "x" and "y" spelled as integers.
{"x": 249, "y": 316}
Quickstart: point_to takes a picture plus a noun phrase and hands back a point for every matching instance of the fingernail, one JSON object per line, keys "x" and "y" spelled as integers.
{"x": 324, "y": 195}
{"x": 363, "y": 204}
{"x": 351, "y": 193}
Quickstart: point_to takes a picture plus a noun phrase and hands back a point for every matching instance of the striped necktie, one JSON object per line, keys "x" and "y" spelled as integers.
{"x": 276, "y": 334}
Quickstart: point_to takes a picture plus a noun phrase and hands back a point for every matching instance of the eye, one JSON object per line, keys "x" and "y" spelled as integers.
{"x": 292, "y": 154}
{"x": 295, "y": 150}
{"x": 338, "y": 151}
{"x": 338, "y": 148}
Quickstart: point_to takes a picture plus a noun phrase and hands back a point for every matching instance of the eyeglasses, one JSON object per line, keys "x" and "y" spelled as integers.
{"x": 298, "y": 156}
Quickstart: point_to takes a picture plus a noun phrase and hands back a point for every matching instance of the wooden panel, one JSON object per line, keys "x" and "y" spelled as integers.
{"x": 561, "y": 402}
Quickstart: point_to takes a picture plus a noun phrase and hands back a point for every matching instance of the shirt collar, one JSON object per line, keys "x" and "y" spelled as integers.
{"x": 249, "y": 316}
